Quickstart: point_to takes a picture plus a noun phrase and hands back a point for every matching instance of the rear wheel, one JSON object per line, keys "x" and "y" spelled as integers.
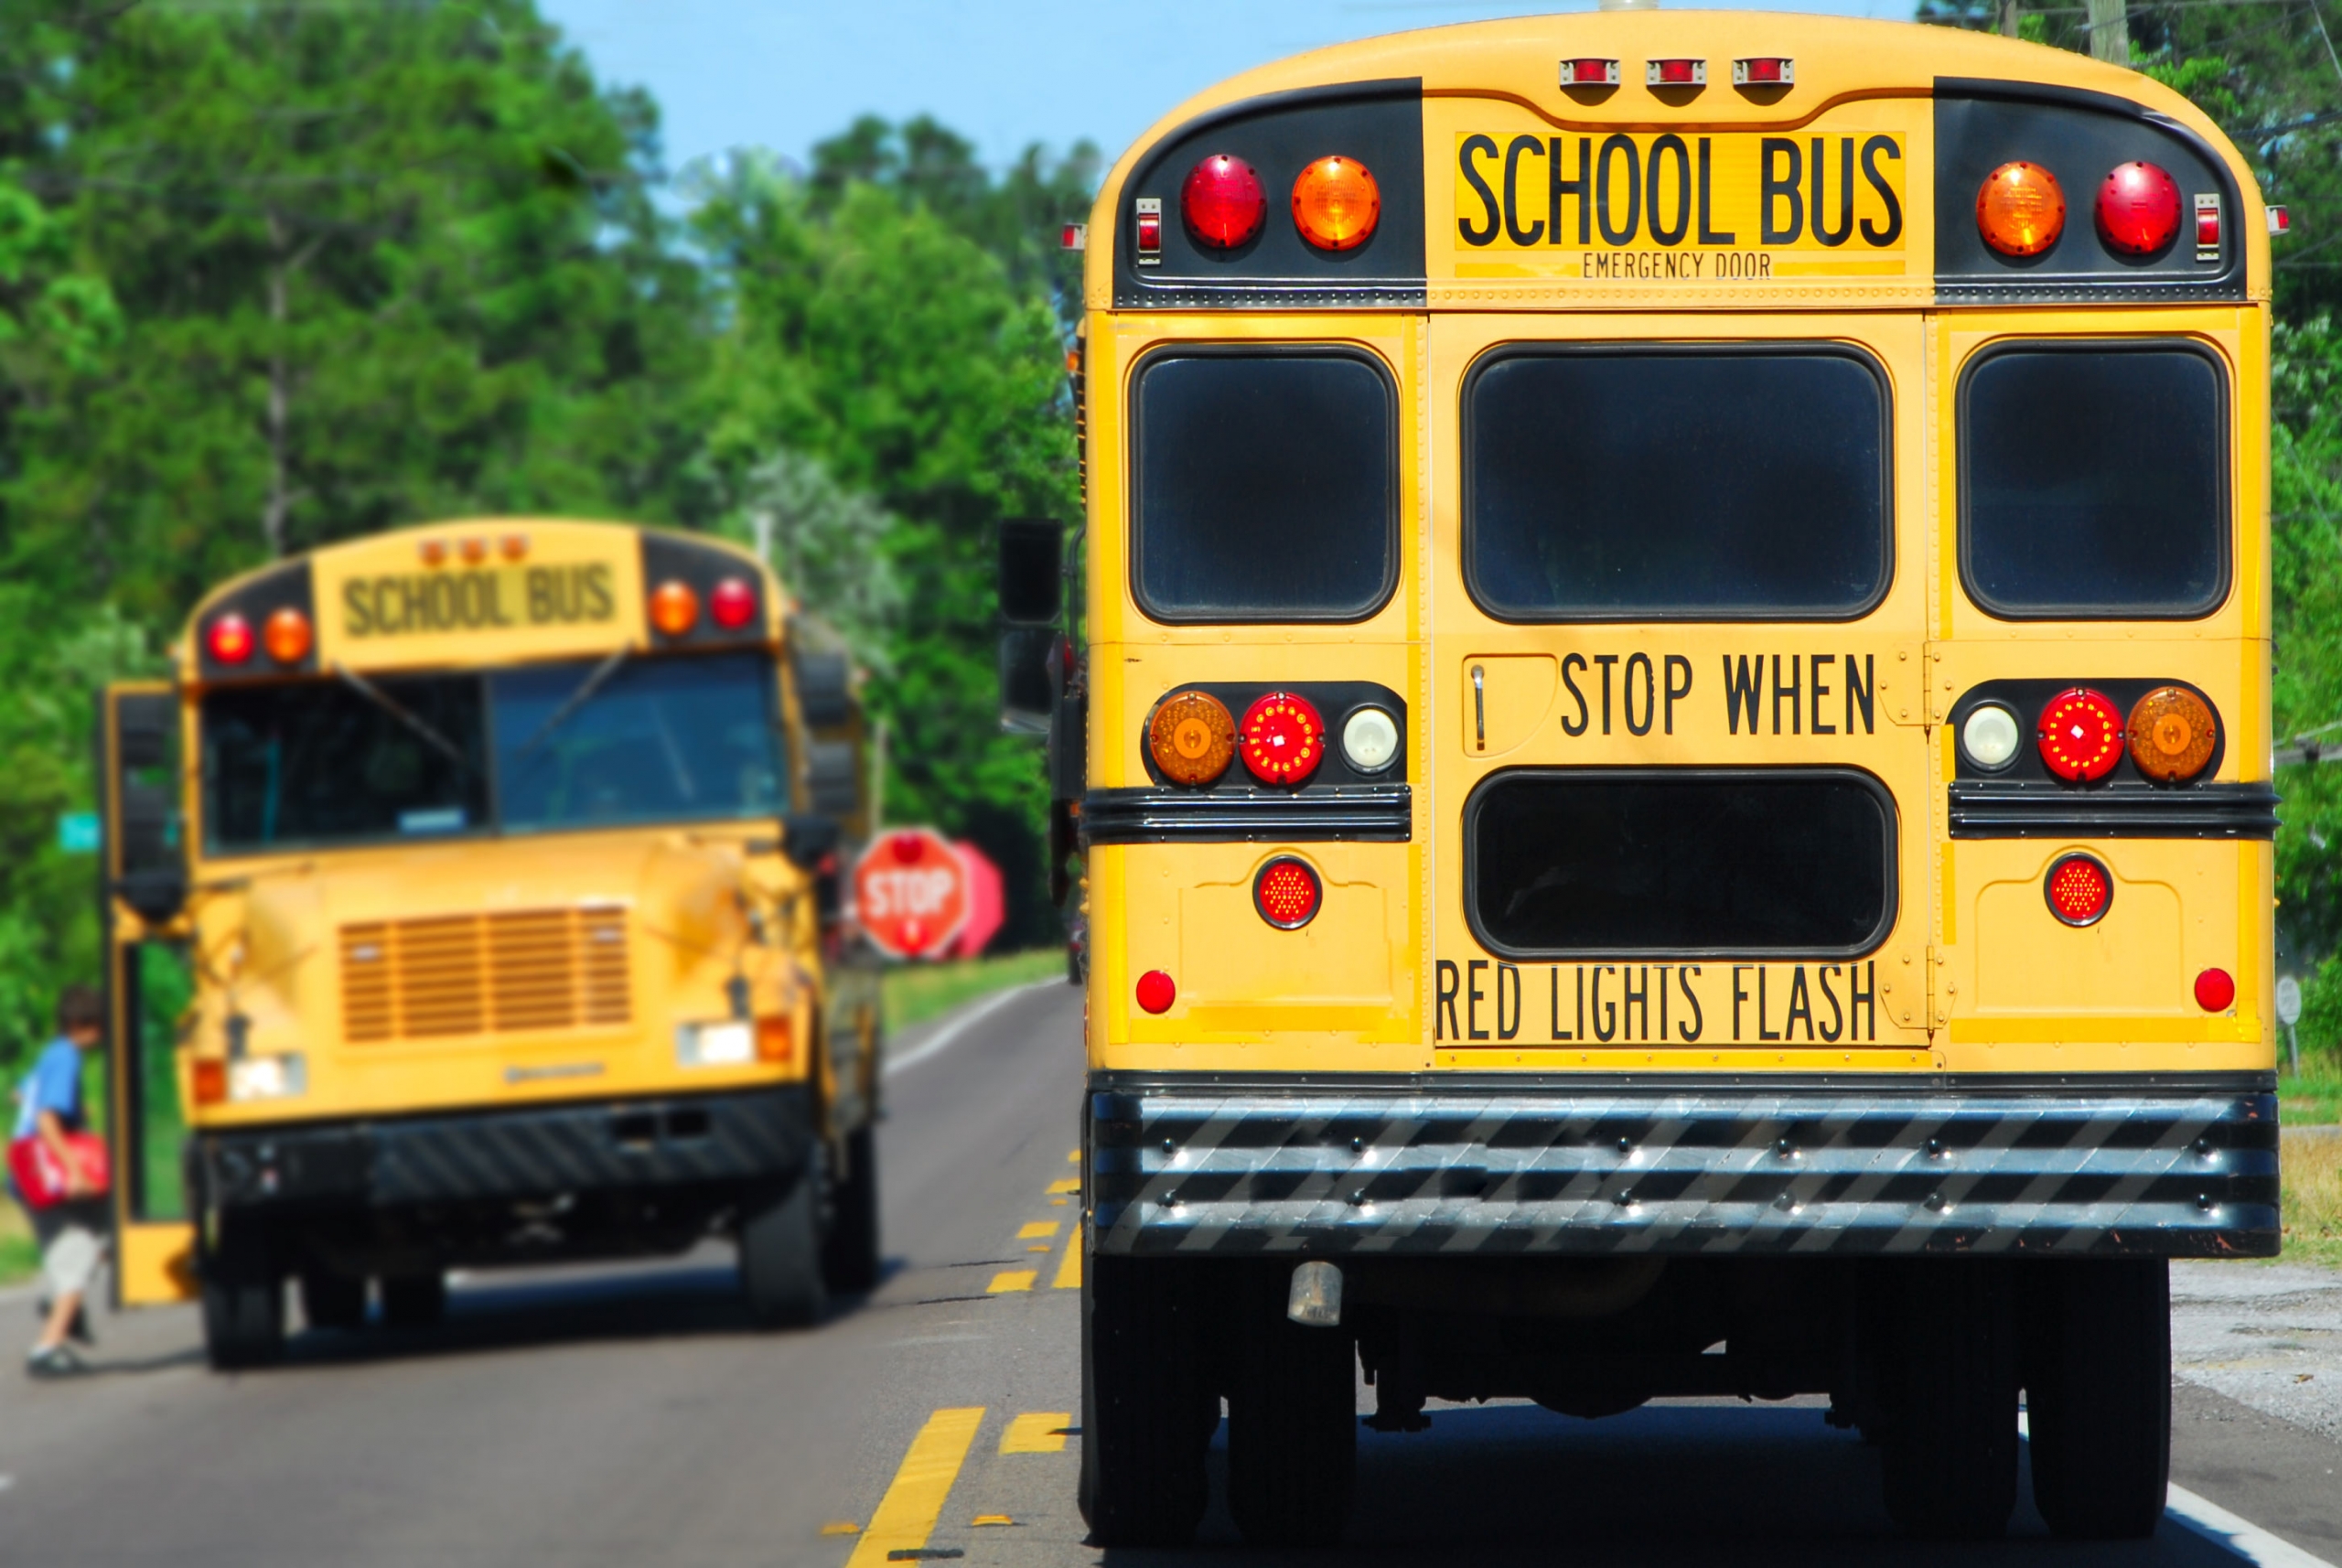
{"x": 2098, "y": 1383}
{"x": 1292, "y": 1426}
{"x": 414, "y": 1301}
{"x": 1948, "y": 1453}
{"x": 850, "y": 1252}
{"x": 780, "y": 1257}
{"x": 329, "y": 1300}
{"x": 1148, "y": 1408}
{"x": 244, "y": 1302}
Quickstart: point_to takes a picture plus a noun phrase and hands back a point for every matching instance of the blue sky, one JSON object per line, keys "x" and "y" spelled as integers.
{"x": 785, "y": 74}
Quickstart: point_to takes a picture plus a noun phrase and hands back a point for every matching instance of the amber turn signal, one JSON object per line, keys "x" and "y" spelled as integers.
{"x": 1336, "y": 203}
{"x": 775, "y": 1041}
{"x": 286, "y": 636}
{"x": 1192, "y": 738}
{"x": 675, "y": 608}
{"x": 2019, "y": 211}
{"x": 2172, "y": 734}
{"x": 210, "y": 1081}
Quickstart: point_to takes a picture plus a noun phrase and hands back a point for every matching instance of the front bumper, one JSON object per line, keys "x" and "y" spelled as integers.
{"x": 1445, "y": 1166}
{"x": 541, "y": 1151}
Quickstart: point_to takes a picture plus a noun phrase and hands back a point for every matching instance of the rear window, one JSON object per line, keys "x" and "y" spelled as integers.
{"x": 1267, "y": 486}
{"x": 2094, "y": 482}
{"x": 1666, "y": 483}
{"x": 1771, "y": 862}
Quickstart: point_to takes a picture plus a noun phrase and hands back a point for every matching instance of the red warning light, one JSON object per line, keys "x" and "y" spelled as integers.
{"x": 229, "y": 640}
{"x": 2138, "y": 210}
{"x": 2081, "y": 735}
{"x": 1223, "y": 201}
{"x": 1282, "y": 737}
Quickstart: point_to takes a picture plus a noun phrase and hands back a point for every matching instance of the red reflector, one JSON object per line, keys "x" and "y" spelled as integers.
{"x": 2081, "y": 735}
{"x": 1286, "y": 893}
{"x": 2138, "y": 210}
{"x": 2215, "y": 991}
{"x": 229, "y": 640}
{"x": 1763, "y": 71}
{"x": 1074, "y": 237}
{"x": 731, "y": 604}
{"x": 2207, "y": 225}
{"x": 2079, "y": 890}
{"x": 1156, "y": 991}
{"x": 1223, "y": 201}
{"x": 1281, "y": 738}
{"x": 1589, "y": 72}
{"x": 1150, "y": 234}
{"x": 1676, "y": 74}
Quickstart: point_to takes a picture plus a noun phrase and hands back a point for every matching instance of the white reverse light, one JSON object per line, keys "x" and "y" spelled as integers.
{"x": 267, "y": 1078}
{"x": 1991, "y": 736}
{"x": 1369, "y": 740}
{"x": 732, "y": 1043}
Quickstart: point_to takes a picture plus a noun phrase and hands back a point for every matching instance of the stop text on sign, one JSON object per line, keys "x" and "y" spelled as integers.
{"x": 911, "y": 894}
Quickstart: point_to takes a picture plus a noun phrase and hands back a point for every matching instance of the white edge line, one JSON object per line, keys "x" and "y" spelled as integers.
{"x": 949, "y": 1035}
{"x": 2230, "y": 1532}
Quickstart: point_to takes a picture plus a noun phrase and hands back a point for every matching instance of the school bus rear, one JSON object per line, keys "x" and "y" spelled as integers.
{"x": 1677, "y": 724}
{"x": 505, "y": 879}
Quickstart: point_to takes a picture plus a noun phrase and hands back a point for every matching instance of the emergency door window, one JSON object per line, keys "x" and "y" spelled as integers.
{"x": 2094, "y": 482}
{"x": 1266, "y": 485}
{"x": 1662, "y": 482}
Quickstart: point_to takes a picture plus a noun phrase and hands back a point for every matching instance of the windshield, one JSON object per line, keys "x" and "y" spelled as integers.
{"x": 545, "y": 747}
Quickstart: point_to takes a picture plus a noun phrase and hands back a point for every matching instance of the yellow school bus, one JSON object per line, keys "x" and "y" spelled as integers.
{"x": 1677, "y": 793}
{"x": 471, "y": 897}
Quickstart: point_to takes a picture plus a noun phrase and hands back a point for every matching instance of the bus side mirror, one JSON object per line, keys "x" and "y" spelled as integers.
{"x": 1027, "y": 685}
{"x": 1032, "y": 571}
{"x": 824, "y": 688}
{"x": 148, "y": 862}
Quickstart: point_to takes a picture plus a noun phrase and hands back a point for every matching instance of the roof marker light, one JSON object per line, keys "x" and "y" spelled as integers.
{"x": 475, "y": 551}
{"x": 1336, "y": 203}
{"x": 1146, "y": 218}
{"x": 2281, "y": 223}
{"x": 1765, "y": 70}
{"x": 1074, "y": 237}
{"x": 2207, "y": 226}
{"x": 2019, "y": 211}
{"x": 1223, "y": 202}
{"x": 1675, "y": 73}
{"x": 2138, "y": 210}
{"x": 1589, "y": 72}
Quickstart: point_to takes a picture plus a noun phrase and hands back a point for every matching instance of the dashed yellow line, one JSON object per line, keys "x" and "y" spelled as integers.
{"x": 1038, "y": 1432}
{"x": 1011, "y": 1280}
{"x": 1069, "y": 1266}
{"x": 1037, "y": 1230}
{"x": 1070, "y": 1184}
{"x": 914, "y": 1500}
{"x": 1075, "y": 1156}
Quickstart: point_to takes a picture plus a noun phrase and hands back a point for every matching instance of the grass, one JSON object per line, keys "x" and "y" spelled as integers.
{"x": 2312, "y": 1168}
{"x": 2314, "y": 1097}
{"x": 19, "y": 1253}
{"x": 915, "y": 992}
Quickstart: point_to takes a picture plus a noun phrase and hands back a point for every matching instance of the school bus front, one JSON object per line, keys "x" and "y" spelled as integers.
{"x": 507, "y": 929}
{"x": 1677, "y": 730}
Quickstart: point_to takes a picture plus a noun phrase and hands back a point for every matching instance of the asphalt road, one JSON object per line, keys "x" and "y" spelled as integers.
{"x": 629, "y": 1416}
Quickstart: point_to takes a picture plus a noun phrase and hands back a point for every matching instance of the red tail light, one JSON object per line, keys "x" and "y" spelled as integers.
{"x": 731, "y": 604}
{"x": 229, "y": 640}
{"x": 1156, "y": 991}
{"x": 2216, "y": 991}
{"x": 1286, "y": 893}
{"x": 2081, "y": 735}
{"x": 2138, "y": 210}
{"x": 1282, "y": 737}
{"x": 1223, "y": 201}
{"x": 2079, "y": 888}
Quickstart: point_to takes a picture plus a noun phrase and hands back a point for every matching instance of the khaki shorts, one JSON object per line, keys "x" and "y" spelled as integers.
{"x": 73, "y": 1243}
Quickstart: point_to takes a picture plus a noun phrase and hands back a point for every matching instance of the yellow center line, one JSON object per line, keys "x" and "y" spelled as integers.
{"x": 1037, "y": 1230}
{"x": 1075, "y": 1156}
{"x": 914, "y": 1500}
{"x": 1011, "y": 1279}
{"x": 1069, "y": 1266}
{"x": 1070, "y": 1184}
{"x": 1038, "y": 1432}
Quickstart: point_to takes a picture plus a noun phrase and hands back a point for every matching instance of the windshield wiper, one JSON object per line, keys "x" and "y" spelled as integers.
{"x": 576, "y": 700}
{"x": 398, "y": 711}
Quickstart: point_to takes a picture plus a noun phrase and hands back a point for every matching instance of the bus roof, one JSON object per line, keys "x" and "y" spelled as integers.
{"x": 482, "y": 591}
{"x": 1511, "y": 67}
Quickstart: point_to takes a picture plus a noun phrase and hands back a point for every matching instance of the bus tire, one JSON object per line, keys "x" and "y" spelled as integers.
{"x": 2097, "y": 1383}
{"x": 1292, "y": 1426}
{"x": 850, "y": 1250}
{"x": 244, "y": 1306}
{"x": 1948, "y": 1454}
{"x": 780, "y": 1256}
{"x": 1148, "y": 1409}
{"x": 331, "y": 1300}
{"x": 414, "y": 1301}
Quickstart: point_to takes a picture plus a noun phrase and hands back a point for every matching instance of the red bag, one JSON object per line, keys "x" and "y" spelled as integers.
{"x": 42, "y": 1180}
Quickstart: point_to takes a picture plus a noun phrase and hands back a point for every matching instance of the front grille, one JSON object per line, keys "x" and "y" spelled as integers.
{"x": 475, "y": 974}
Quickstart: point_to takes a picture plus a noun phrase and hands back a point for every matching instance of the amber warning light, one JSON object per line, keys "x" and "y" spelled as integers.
{"x": 1336, "y": 203}
{"x": 2020, "y": 209}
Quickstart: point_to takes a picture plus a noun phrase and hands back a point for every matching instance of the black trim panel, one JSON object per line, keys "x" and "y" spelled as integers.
{"x": 1362, "y": 813}
{"x": 1892, "y": 1167}
{"x": 2018, "y": 808}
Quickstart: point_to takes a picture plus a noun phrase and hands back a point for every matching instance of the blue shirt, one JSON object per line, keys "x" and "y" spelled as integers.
{"x": 54, "y": 1084}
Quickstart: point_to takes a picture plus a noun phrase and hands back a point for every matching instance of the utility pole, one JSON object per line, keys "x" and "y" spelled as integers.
{"x": 2109, "y": 31}
{"x": 2009, "y": 14}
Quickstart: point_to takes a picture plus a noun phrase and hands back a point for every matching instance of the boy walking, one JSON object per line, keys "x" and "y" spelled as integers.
{"x": 72, "y": 1232}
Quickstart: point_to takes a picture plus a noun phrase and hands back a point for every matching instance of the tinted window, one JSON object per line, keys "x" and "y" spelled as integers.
{"x": 1267, "y": 486}
{"x": 1772, "y": 862}
{"x": 2095, "y": 481}
{"x": 1689, "y": 485}
{"x": 320, "y": 761}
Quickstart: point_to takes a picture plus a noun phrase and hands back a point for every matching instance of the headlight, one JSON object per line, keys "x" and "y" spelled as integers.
{"x": 732, "y": 1043}
{"x": 1990, "y": 736}
{"x": 1369, "y": 740}
{"x": 268, "y": 1078}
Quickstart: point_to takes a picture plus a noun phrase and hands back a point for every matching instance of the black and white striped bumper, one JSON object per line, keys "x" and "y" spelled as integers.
{"x": 1843, "y": 1168}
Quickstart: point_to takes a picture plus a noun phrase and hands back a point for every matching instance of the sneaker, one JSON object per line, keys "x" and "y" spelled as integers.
{"x": 53, "y": 1361}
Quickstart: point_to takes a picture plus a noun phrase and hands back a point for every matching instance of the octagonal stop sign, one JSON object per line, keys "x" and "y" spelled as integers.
{"x": 910, "y": 893}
